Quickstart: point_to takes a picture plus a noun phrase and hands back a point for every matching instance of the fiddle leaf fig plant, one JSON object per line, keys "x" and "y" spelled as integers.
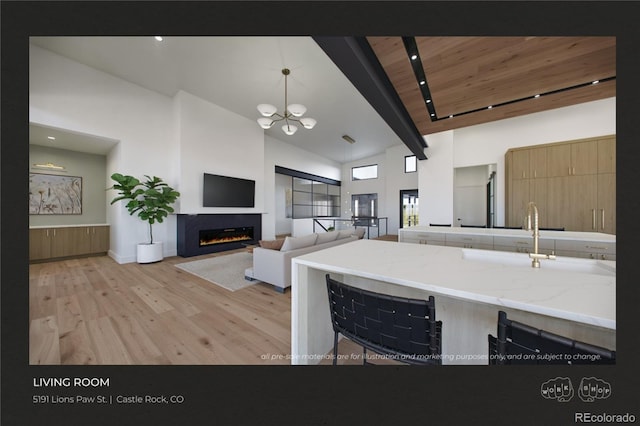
{"x": 151, "y": 198}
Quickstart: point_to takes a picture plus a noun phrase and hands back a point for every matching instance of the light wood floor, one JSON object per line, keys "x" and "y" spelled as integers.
{"x": 95, "y": 311}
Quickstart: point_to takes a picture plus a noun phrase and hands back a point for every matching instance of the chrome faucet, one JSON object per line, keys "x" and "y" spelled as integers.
{"x": 535, "y": 256}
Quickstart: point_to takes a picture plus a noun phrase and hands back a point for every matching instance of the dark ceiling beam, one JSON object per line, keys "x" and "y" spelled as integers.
{"x": 357, "y": 61}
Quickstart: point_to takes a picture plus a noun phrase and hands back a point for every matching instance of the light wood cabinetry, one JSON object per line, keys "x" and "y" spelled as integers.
{"x": 583, "y": 199}
{"x": 607, "y": 155}
{"x": 557, "y": 190}
{"x": 40, "y": 244}
{"x": 537, "y": 163}
{"x": 606, "y": 209}
{"x": 520, "y": 198}
{"x": 526, "y": 181}
{"x": 521, "y": 164}
{"x": 67, "y": 241}
{"x": 572, "y": 183}
{"x": 584, "y": 158}
{"x": 99, "y": 239}
{"x": 572, "y": 158}
{"x": 558, "y": 160}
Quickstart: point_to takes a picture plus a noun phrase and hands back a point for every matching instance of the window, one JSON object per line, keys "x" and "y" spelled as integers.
{"x": 306, "y": 195}
{"x": 315, "y": 199}
{"x": 365, "y": 209}
{"x": 364, "y": 172}
{"x": 410, "y": 164}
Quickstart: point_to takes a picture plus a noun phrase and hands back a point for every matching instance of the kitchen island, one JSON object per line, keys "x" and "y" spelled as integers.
{"x": 591, "y": 245}
{"x": 568, "y": 296}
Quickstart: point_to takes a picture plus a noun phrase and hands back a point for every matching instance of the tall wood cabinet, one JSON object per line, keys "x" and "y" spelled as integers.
{"x": 573, "y": 184}
{"x": 67, "y": 241}
{"x": 526, "y": 181}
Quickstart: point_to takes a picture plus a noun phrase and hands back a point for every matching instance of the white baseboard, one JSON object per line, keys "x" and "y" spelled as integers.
{"x": 131, "y": 259}
{"x": 121, "y": 259}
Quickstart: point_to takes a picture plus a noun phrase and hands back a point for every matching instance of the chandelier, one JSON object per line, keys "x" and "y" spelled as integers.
{"x": 292, "y": 113}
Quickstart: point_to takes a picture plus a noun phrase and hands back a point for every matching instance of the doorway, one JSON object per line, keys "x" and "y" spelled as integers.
{"x": 365, "y": 209}
{"x": 473, "y": 205}
{"x": 409, "y": 203}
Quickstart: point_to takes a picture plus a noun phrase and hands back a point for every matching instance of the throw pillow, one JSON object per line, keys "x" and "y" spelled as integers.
{"x": 294, "y": 243}
{"x": 325, "y": 237}
{"x": 272, "y": 244}
{"x": 359, "y": 232}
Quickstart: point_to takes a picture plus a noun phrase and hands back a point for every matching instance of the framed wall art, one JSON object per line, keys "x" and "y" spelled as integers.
{"x": 54, "y": 194}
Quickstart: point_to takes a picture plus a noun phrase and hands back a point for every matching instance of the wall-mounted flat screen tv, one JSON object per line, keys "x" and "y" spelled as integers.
{"x": 226, "y": 191}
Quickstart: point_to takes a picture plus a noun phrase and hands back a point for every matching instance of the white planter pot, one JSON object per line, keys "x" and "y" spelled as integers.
{"x": 149, "y": 253}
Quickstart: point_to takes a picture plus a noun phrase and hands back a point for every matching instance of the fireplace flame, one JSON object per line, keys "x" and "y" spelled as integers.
{"x": 221, "y": 240}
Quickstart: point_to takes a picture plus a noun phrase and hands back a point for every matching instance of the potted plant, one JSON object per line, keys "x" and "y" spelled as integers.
{"x": 152, "y": 201}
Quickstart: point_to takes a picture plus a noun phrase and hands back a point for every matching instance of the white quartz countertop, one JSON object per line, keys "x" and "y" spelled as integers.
{"x": 564, "y": 290}
{"x": 555, "y": 235}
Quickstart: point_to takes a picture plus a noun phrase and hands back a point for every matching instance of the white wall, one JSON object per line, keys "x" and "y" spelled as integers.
{"x": 176, "y": 138}
{"x": 284, "y": 224}
{"x": 470, "y": 195}
{"x": 366, "y": 186}
{"x": 216, "y": 141}
{"x": 435, "y": 180}
{"x": 391, "y": 179}
{"x": 396, "y": 179}
{"x": 487, "y": 143}
{"x": 67, "y": 95}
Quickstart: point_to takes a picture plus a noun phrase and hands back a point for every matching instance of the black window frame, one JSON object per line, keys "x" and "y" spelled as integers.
{"x": 362, "y": 167}
{"x": 415, "y": 157}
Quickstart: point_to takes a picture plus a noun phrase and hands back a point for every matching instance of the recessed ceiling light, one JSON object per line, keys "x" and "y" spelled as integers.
{"x": 51, "y": 138}
{"x": 414, "y": 57}
{"x": 158, "y": 38}
{"x": 596, "y": 82}
{"x": 536, "y": 96}
{"x": 428, "y": 101}
{"x": 489, "y": 107}
{"x": 422, "y": 83}
{"x": 432, "y": 114}
{"x": 451, "y": 116}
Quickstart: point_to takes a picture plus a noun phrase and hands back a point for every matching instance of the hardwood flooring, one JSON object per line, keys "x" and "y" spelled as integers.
{"x": 96, "y": 311}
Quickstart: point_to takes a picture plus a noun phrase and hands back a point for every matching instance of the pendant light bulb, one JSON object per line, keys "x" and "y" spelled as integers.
{"x": 289, "y": 129}
{"x": 297, "y": 110}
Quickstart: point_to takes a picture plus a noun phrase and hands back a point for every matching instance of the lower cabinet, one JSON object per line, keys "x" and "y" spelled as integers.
{"x": 484, "y": 242}
{"x": 432, "y": 238}
{"x": 588, "y": 249}
{"x": 68, "y": 241}
{"x": 522, "y": 245}
{"x": 518, "y": 244}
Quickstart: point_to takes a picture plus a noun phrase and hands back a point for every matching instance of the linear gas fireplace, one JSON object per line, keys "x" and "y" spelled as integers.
{"x": 209, "y": 233}
{"x": 210, "y": 237}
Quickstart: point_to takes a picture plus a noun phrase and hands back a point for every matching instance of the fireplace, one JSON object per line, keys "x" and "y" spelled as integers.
{"x": 224, "y": 236}
{"x": 210, "y": 233}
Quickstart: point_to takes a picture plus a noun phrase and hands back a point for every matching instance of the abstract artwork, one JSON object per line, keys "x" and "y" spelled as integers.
{"x": 54, "y": 194}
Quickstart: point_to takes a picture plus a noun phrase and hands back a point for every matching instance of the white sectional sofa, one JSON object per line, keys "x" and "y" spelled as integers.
{"x": 274, "y": 266}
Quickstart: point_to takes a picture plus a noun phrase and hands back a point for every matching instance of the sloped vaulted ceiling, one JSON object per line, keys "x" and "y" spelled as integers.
{"x": 474, "y": 80}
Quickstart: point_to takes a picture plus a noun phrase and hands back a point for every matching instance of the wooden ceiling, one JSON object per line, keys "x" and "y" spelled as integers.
{"x": 466, "y": 75}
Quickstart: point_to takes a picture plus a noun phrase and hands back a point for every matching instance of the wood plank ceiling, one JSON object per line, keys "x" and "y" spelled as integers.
{"x": 466, "y": 75}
